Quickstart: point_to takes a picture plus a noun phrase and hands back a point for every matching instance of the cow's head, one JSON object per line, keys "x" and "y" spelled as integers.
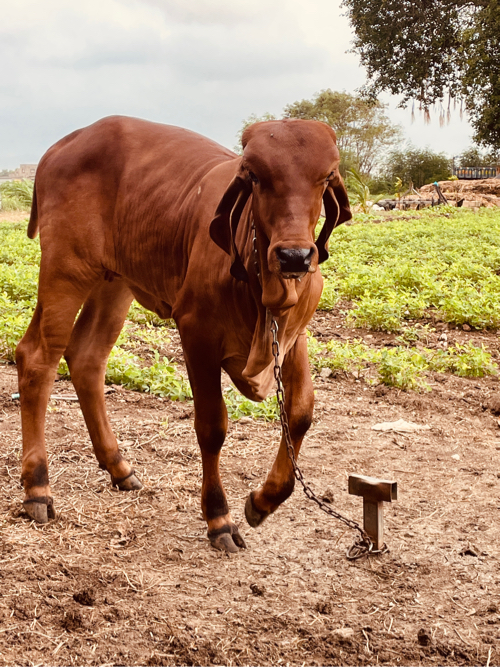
{"x": 289, "y": 167}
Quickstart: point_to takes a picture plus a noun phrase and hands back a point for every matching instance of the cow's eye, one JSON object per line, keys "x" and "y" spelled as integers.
{"x": 329, "y": 175}
{"x": 253, "y": 176}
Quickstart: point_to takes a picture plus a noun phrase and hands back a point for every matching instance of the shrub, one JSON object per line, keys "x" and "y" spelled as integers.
{"x": 16, "y": 195}
{"x": 419, "y": 165}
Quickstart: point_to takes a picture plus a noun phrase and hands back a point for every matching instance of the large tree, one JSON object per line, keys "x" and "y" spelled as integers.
{"x": 432, "y": 52}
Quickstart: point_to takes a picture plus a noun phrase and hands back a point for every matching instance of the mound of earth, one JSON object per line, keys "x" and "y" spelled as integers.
{"x": 484, "y": 192}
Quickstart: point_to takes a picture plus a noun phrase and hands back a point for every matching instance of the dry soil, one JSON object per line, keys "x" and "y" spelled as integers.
{"x": 130, "y": 578}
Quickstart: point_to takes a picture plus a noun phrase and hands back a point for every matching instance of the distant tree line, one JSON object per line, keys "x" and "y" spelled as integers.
{"x": 364, "y": 131}
{"x": 372, "y": 146}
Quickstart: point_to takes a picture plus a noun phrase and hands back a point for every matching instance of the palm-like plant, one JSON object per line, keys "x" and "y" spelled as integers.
{"x": 359, "y": 192}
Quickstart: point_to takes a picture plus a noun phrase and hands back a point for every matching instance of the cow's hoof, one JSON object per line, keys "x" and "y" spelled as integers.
{"x": 128, "y": 483}
{"x": 227, "y": 539}
{"x": 252, "y": 514}
{"x": 41, "y": 509}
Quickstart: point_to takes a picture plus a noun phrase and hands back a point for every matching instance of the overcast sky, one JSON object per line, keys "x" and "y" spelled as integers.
{"x": 202, "y": 64}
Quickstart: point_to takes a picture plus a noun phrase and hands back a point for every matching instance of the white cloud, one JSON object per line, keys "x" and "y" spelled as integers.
{"x": 242, "y": 54}
{"x": 216, "y": 12}
{"x": 203, "y": 64}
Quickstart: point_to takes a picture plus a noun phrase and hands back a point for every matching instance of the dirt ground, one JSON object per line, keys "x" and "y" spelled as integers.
{"x": 130, "y": 579}
{"x": 15, "y": 216}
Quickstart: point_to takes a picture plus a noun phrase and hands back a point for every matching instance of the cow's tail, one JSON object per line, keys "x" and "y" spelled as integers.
{"x": 33, "y": 223}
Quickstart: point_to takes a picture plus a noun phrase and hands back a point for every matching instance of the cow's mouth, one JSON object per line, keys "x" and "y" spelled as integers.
{"x": 293, "y": 276}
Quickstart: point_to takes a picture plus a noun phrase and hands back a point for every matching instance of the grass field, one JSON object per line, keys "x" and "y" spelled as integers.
{"x": 398, "y": 276}
{"x": 447, "y": 261}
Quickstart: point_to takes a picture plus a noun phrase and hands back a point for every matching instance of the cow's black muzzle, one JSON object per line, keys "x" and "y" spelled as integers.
{"x": 294, "y": 262}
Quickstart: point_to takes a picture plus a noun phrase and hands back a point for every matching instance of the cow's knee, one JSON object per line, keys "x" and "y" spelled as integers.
{"x": 29, "y": 368}
{"x": 20, "y": 355}
{"x": 210, "y": 435}
{"x": 300, "y": 424}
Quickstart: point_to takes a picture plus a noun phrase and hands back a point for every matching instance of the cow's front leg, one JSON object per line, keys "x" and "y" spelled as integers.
{"x": 211, "y": 426}
{"x": 299, "y": 404}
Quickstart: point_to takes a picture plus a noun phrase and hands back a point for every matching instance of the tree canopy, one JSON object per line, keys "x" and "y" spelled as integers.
{"x": 433, "y": 52}
{"x": 418, "y": 165}
{"x": 475, "y": 157}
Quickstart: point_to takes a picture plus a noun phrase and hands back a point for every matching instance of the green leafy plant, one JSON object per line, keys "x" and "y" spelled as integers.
{"x": 348, "y": 356}
{"x": 463, "y": 360}
{"x": 401, "y": 271}
{"x": 402, "y": 368}
{"x": 359, "y": 191}
{"x": 238, "y": 406}
{"x": 409, "y": 335}
{"x": 16, "y": 195}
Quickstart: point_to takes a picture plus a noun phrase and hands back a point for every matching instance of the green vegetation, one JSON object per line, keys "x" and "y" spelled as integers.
{"x": 16, "y": 195}
{"x": 401, "y": 367}
{"x": 422, "y": 265}
{"x": 418, "y": 165}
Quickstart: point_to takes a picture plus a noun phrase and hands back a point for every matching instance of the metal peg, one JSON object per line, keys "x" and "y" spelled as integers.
{"x": 374, "y": 493}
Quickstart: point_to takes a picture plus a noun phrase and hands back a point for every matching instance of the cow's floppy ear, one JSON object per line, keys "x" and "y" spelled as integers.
{"x": 337, "y": 211}
{"x": 225, "y": 223}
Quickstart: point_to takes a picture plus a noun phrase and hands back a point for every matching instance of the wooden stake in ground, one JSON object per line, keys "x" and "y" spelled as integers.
{"x": 374, "y": 492}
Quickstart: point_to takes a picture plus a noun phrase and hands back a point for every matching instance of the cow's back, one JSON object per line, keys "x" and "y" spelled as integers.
{"x": 124, "y": 190}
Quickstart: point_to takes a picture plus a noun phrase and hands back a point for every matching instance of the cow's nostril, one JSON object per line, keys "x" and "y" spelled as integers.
{"x": 294, "y": 260}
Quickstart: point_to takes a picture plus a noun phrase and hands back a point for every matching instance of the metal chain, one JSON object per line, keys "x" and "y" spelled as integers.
{"x": 255, "y": 251}
{"x": 363, "y": 545}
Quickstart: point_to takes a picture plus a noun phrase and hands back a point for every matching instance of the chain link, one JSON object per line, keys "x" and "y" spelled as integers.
{"x": 255, "y": 251}
{"x": 363, "y": 545}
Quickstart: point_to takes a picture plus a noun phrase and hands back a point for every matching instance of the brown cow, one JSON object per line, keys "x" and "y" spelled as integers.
{"x": 128, "y": 208}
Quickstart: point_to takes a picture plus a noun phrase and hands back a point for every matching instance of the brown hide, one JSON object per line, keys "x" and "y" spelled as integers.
{"x": 166, "y": 215}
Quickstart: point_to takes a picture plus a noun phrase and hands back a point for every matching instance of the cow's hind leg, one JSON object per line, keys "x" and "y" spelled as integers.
{"x": 93, "y": 337}
{"x": 211, "y": 427}
{"x": 299, "y": 404}
{"x": 37, "y": 357}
